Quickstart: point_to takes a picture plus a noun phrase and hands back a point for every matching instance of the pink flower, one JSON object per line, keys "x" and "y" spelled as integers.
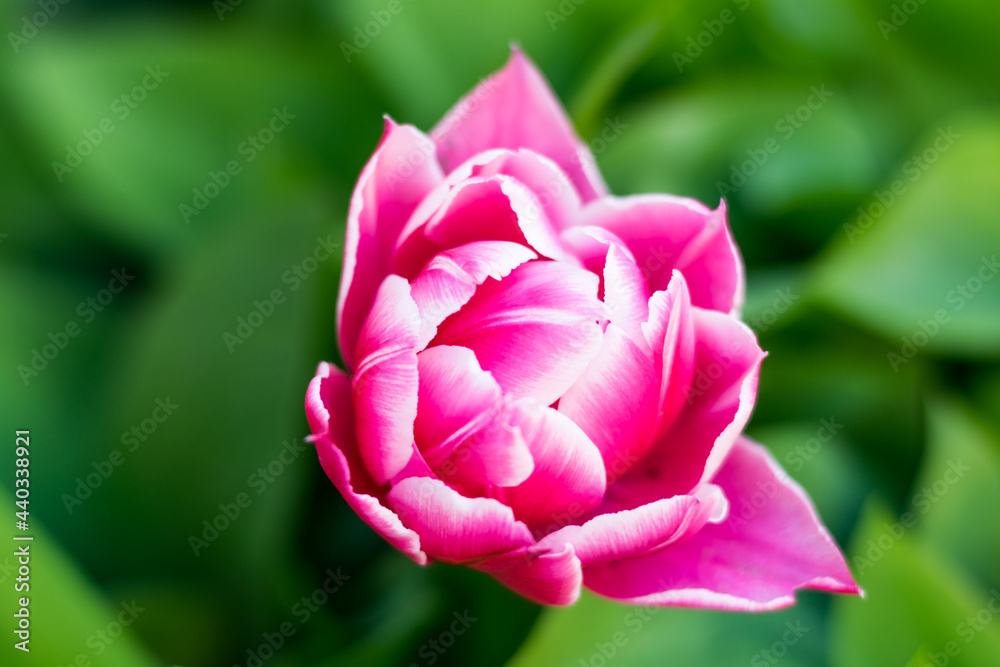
{"x": 548, "y": 383}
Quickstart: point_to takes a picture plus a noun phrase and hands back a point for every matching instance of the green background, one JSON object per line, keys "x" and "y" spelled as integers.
{"x": 700, "y": 89}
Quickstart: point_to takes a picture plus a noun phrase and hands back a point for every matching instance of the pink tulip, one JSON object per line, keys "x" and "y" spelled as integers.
{"x": 549, "y": 383}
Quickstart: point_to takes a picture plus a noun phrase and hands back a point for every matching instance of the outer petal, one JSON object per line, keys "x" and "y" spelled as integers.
{"x": 535, "y": 330}
{"x": 753, "y": 561}
{"x": 718, "y": 406}
{"x": 547, "y": 577}
{"x": 569, "y": 477}
{"x": 639, "y": 531}
{"x": 390, "y": 186}
{"x": 328, "y": 407}
{"x": 385, "y": 382}
{"x": 461, "y": 426}
{"x": 515, "y": 108}
{"x": 666, "y": 233}
{"x": 450, "y": 279}
{"x": 453, "y": 528}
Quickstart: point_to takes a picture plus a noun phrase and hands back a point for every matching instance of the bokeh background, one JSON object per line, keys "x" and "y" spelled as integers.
{"x": 857, "y": 143}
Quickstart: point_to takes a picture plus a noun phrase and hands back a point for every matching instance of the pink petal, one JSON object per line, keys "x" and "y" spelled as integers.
{"x": 535, "y": 330}
{"x": 648, "y": 374}
{"x": 550, "y": 185}
{"x": 453, "y": 528}
{"x": 400, "y": 173}
{"x": 615, "y": 401}
{"x": 547, "y": 577}
{"x": 329, "y": 395}
{"x": 623, "y": 285}
{"x": 670, "y": 333}
{"x": 638, "y": 531}
{"x": 666, "y": 233}
{"x": 461, "y": 427}
{"x": 569, "y": 478}
{"x": 625, "y": 291}
{"x": 556, "y": 195}
{"x": 438, "y": 197}
{"x": 719, "y": 403}
{"x": 450, "y": 279}
{"x": 494, "y": 208}
{"x": 385, "y": 382}
{"x": 771, "y": 544}
{"x": 515, "y": 108}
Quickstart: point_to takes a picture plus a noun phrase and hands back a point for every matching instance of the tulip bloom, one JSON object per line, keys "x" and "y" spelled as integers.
{"x": 548, "y": 383}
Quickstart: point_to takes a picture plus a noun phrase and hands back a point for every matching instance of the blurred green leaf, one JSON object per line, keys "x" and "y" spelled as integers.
{"x": 597, "y": 631}
{"x": 913, "y": 599}
{"x": 69, "y": 617}
{"x": 238, "y": 408}
{"x": 986, "y": 394}
{"x": 728, "y": 138}
{"x": 612, "y": 67}
{"x": 959, "y": 488}
{"x": 400, "y": 54}
{"x": 922, "y": 273}
{"x": 127, "y": 126}
{"x": 951, "y": 39}
{"x": 818, "y": 368}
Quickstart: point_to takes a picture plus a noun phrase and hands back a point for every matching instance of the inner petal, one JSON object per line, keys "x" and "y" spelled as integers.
{"x": 535, "y": 330}
{"x": 462, "y": 427}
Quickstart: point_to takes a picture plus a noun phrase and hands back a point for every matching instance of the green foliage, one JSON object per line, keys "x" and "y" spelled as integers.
{"x": 848, "y": 279}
